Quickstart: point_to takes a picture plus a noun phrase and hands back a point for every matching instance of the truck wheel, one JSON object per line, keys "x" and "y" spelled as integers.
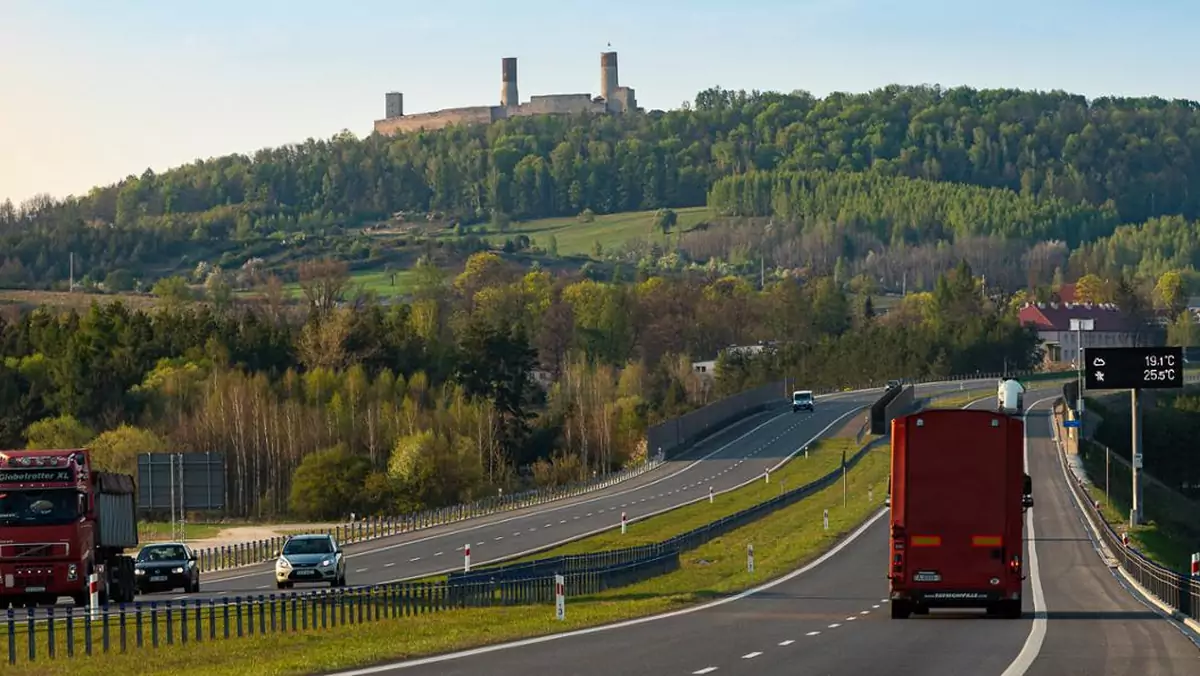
{"x": 900, "y": 610}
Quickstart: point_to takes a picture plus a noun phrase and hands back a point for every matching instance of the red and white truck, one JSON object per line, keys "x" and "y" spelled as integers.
{"x": 959, "y": 492}
{"x": 60, "y": 521}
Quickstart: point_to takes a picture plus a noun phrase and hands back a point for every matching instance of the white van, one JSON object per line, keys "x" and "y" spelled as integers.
{"x": 802, "y": 399}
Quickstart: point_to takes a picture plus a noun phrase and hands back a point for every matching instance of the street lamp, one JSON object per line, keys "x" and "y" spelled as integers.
{"x": 1078, "y": 326}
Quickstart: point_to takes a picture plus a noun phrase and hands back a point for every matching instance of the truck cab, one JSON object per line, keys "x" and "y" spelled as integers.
{"x": 802, "y": 400}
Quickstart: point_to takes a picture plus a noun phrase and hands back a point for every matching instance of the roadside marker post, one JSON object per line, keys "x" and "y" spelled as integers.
{"x": 622, "y": 523}
{"x": 467, "y": 558}
{"x": 94, "y": 595}
{"x": 1196, "y": 565}
{"x": 560, "y": 598}
{"x": 825, "y": 518}
{"x": 750, "y": 558}
{"x": 710, "y": 495}
{"x": 768, "y": 475}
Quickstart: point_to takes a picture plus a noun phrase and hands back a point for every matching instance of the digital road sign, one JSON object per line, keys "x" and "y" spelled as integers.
{"x": 1128, "y": 368}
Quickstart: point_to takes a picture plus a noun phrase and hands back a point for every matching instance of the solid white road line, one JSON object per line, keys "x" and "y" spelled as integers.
{"x": 1037, "y": 633}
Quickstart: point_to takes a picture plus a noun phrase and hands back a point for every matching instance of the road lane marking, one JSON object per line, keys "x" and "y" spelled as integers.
{"x": 787, "y": 642}
{"x": 389, "y": 564}
{"x": 750, "y": 656}
{"x": 835, "y": 625}
{"x": 705, "y": 670}
{"x": 812, "y": 633}
{"x": 1037, "y": 632}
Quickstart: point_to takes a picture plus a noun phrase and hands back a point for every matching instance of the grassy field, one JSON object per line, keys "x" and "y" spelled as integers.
{"x": 782, "y": 542}
{"x": 158, "y": 531}
{"x": 577, "y": 238}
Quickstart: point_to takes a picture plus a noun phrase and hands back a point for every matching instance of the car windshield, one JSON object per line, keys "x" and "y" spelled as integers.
{"x": 802, "y": 396}
{"x": 308, "y": 546}
{"x": 162, "y": 553}
{"x": 50, "y": 507}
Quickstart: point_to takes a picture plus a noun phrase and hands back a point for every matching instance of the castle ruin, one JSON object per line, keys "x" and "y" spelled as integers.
{"x": 613, "y": 99}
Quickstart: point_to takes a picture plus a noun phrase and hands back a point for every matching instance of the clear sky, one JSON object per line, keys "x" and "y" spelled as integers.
{"x": 94, "y": 90}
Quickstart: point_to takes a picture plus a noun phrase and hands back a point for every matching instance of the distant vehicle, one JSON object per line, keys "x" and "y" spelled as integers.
{"x": 166, "y": 565}
{"x": 62, "y": 520}
{"x": 893, "y": 384}
{"x": 310, "y": 558}
{"x": 957, "y": 512}
{"x": 802, "y": 399}
{"x": 1010, "y": 397}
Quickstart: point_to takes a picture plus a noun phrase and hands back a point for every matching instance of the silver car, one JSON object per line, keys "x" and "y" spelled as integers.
{"x": 310, "y": 558}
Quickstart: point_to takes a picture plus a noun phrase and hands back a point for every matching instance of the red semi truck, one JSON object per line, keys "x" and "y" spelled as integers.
{"x": 959, "y": 492}
{"x": 60, "y": 521}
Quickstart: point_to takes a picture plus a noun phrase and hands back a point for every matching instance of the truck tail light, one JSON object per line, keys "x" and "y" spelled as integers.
{"x": 1014, "y": 565}
{"x": 898, "y": 562}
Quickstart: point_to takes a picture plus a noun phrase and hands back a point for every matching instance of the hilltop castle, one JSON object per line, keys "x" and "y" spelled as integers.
{"x": 613, "y": 99}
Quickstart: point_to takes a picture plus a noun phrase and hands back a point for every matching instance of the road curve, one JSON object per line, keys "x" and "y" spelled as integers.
{"x": 833, "y": 619}
{"x": 733, "y": 456}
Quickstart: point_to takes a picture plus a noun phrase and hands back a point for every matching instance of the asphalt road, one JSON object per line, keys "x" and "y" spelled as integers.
{"x": 833, "y": 618}
{"x": 729, "y": 458}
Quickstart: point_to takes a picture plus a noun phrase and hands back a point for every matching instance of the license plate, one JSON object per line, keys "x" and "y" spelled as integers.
{"x": 306, "y": 572}
{"x": 158, "y": 578}
{"x": 35, "y": 589}
{"x": 927, "y": 576}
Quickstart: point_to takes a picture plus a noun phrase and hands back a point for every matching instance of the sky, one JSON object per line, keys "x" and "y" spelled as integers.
{"x": 92, "y": 91}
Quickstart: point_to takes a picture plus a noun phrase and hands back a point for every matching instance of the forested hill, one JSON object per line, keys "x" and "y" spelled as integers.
{"x": 1141, "y": 153}
{"x": 1121, "y": 160}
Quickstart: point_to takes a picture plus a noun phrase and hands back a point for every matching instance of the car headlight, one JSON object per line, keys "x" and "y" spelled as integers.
{"x": 327, "y": 563}
{"x": 178, "y": 570}
{"x": 282, "y": 563}
{"x": 139, "y": 571}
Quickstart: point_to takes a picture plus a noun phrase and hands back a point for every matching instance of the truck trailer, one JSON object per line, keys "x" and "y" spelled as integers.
{"x": 959, "y": 492}
{"x": 62, "y": 520}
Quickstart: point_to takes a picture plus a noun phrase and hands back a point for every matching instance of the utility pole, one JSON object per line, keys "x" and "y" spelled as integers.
{"x": 1078, "y": 326}
{"x": 71, "y": 283}
{"x": 1135, "y": 514}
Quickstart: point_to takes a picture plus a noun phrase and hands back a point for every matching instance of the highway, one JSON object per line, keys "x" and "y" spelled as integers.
{"x": 832, "y": 616}
{"x": 735, "y": 455}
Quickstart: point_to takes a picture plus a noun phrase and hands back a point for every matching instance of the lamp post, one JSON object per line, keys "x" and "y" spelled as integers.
{"x": 1079, "y": 326}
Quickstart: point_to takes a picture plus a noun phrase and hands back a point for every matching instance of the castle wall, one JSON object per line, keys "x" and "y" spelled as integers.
{"x": 558, "y": 104}
{"x": 439, "y": 119}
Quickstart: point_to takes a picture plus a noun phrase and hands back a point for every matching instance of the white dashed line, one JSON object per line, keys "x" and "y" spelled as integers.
{"x": 360, "y": 570}
{"x": 499, "y": 538}
{"x": 851, "y": 618}
{"x": 835, "y": 625}
{"x": 875, "y": 606}
{"x": 438, "y": 554}
{"x": 478, "y": 544}
{"x": 262, "y": 586}
{"x": 389, "y": 565}
{"x": 705, "y": 670}
{"x": 812, "y": 633}
{"x": 414, "y": 559}
{"x": 750, "y": 656}
{"x": 787, "y": 642}
{"x": 563, "y": 521}
{"x": 864, "y": 612}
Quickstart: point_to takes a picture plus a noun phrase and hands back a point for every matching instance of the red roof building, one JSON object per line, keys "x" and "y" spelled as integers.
{"x": 1110, "y": 327}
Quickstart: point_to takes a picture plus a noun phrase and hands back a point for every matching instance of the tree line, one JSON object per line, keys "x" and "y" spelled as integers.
{"x": 497, "y": 378}
{"x": 1135, "y": 158}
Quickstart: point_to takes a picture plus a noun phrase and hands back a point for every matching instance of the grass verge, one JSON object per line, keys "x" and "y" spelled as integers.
{"x": 1159, "y": 539}
{"x": 575, "y": 237}
{"x": 782, "y": 542}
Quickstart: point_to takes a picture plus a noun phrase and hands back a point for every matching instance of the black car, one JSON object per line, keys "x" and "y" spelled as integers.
{"x": 166, "y": 565}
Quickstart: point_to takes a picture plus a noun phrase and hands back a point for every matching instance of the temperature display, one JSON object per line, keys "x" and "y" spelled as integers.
{"x": 1126, "y": 368}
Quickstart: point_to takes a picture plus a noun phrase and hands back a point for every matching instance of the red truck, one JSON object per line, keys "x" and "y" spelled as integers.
{"x": 60, "y": 521}
{"x": 959, "y": 492}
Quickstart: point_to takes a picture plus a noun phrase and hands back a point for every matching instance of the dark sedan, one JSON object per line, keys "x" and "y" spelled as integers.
{"x": 167, "y": 565}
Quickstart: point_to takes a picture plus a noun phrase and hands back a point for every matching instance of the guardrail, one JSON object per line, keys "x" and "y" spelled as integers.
{"x": 675, "y": 434}
{"x": 1176, "y": 589}
{"x": 373, "y": 527}
{"x": 65, "y": 634}
{"x": 675, "y": 545}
